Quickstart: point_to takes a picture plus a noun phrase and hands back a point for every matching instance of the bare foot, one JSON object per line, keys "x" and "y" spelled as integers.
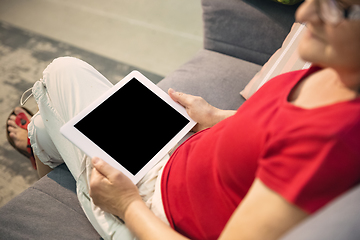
{"x": 18, "y": 134}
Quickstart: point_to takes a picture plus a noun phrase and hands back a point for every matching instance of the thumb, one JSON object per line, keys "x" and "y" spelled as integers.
{"x": 102, "y": 167}
{"x": 179, "y": 97}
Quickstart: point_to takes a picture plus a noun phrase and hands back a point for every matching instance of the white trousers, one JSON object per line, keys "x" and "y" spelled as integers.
{"x": 68, "y": 86}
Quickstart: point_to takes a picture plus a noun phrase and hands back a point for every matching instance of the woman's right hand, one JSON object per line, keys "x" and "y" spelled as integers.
{"x": 199, "y": 110}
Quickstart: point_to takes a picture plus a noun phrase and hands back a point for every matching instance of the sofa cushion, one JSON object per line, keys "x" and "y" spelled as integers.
{"x": 216, "y": 77}
{"x": 229, "y": 27}
{"x": 285, "y": 59}
{"x": 337, "y": 221}
{"x": 288, "y": 2}
{"x": 47, "y": 210}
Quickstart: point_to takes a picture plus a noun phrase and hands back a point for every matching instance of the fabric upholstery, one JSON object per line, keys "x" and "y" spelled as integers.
{"x": 216, "y": 77}
{"x": 251, "y": 30}
{"x": 285, "y": 59}
{"x": 337, "y": 221}
{"x": 47, "y": 210}
{"x": 288, "y": 2}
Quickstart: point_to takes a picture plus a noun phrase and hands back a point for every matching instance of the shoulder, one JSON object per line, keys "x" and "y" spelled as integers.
{"x": 293, "y": 77}
{"x": 283, "y": 83}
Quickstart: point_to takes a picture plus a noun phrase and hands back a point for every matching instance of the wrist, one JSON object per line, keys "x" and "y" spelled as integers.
{"x": 132, "y": 209}
{"x": 143, "y": 223}
{"x": 219, "y": 115}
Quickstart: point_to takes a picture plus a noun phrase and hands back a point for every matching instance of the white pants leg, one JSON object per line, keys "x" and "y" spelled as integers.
{"x": 67, "y": 87}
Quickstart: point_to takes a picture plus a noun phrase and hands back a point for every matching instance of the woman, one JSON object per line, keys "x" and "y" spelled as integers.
{"x": 333, "y": 45}
{"x": 269, "y": 165}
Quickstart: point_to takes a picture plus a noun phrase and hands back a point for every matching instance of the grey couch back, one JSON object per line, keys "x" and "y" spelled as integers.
{"x": 229, "y": 27}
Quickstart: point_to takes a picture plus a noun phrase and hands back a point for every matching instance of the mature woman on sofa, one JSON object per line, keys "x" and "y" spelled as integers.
{"x": 318, "y": 114}
{"x": 268, "y": 165}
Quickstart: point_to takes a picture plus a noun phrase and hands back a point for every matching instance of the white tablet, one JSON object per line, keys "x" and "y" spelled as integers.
{"x": 131, "y": 126}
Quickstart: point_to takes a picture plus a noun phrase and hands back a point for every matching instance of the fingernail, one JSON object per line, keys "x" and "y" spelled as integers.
{"x": 95, "y": 160}
{"x": 171, "y": 90}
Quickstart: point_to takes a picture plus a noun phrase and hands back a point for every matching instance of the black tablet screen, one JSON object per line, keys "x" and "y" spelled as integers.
{"x": 132, "y": 125}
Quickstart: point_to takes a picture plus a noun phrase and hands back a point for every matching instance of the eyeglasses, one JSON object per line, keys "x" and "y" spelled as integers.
{"x": 332, "y": 11}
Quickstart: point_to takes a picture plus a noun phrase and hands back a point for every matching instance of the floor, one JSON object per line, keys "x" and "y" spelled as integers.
{"x": 115, "y": 36}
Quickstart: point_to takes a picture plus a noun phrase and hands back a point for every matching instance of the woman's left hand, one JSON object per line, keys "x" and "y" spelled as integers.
{"x": 110, "y": 189}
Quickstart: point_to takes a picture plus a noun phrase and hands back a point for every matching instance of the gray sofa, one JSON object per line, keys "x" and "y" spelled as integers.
{"x": 239, "y": 37}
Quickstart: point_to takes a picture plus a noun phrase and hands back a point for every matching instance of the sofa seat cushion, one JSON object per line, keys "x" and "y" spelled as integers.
{"x": 47, "y": 210}
{"x": 216, "y": 77}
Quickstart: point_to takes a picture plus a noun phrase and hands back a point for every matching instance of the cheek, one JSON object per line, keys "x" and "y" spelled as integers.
{"x": 346, "y": 47}
{"x": 311, "y": 49}
{"x": 341, "y": 48}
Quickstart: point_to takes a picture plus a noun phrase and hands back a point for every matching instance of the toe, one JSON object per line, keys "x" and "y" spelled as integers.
{"x": 10, "y": 128}
{"x": 12, "y": 134}
{"x": 19, "y": 136}
{"x": 18, "y": 110}
{"x": 12, "y": 118}
{"x": 14, "y": 128}
{"x": 11, "y": 123}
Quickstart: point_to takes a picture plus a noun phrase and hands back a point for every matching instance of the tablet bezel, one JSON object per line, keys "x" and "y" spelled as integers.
{"x": 69, "y": 130}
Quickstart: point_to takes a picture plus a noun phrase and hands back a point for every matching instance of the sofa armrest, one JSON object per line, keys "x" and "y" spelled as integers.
{"x": 229, "y": 27}
{"x": 337, "y": 221}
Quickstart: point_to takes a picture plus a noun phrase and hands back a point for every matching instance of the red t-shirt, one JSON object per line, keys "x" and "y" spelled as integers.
{"x": 307, "y": 156}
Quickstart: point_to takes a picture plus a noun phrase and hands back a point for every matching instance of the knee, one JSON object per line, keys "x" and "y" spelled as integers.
{"x": 63, "y": 64}
{"x": 66, "y": 61}
{"x": 63, "y": 71}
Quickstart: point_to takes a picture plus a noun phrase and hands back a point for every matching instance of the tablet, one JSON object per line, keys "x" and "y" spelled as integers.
{"x": 132, "y": 126}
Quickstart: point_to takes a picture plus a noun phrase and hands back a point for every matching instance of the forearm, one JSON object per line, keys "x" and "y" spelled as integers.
{"x": 211, "y": 117}
{"x": 145, "y": 225}
{"x": 199, "y": 110}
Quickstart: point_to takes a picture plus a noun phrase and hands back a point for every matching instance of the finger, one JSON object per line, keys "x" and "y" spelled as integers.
{"x": 95, "y": 180}
{"x": 182, "y": 98}
{"x": 95, "y": 175}
{"x": 172, "y": 94}
{"x": 103, "y": 167}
